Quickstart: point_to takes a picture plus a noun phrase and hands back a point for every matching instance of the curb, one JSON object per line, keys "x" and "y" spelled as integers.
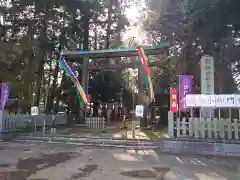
{"x": 89, "y": 137}
{"x": 89, "y": 141}
{"x": 103, "y": 145}
{"x": 81, "y": 139}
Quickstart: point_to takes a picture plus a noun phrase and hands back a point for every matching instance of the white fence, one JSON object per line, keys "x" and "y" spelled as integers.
{"x": 210, "y": 128}
{"x": 95, "y": 122}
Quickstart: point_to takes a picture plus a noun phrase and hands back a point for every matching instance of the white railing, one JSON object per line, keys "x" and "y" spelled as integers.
{"x": 95, "y": 122}
{"x": 210, "y": 128}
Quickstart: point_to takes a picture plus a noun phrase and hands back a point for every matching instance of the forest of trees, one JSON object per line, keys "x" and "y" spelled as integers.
{"x": 36, "y": 31}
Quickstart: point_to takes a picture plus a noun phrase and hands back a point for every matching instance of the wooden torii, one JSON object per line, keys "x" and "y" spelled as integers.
{"x": 83, "y": 58}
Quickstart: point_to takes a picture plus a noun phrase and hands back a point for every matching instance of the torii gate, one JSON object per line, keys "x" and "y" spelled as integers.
{"x": 85, "y": 56}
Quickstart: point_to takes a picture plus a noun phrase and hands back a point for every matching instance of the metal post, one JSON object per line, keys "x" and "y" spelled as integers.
{"x": 230, "y": 113}
{"x": 219, "y": 113}
{"x": 44, "y": 127}
{"x": 200, "y": 113}
{"x": 34, "y": 117}
{"x": 35, "y": 124}
{"x": 211, "y": 113}
{"x": 239, "y": 114}
{"x": 133, "y": 102}
{"x": 191, "y": 112}
{"x": 124, "y": 128}
{"x": 179, "y": 98}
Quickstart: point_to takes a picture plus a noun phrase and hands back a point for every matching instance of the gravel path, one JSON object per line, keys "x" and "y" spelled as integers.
{"x": 20, "y": 161}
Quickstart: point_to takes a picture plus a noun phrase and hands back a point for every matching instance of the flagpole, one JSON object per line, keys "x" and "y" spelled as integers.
{"x": 179, "y": 98}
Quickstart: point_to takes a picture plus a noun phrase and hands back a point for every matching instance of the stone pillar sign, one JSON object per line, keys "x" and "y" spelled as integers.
{"x": 207, "y": 81}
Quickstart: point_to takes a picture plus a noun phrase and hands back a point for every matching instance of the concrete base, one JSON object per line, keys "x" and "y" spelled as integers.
{"x": 9, "y": 135}
{"x": 202, "y": 147}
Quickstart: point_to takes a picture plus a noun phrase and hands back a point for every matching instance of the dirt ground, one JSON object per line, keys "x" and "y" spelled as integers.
{"x": 68, "y": 162}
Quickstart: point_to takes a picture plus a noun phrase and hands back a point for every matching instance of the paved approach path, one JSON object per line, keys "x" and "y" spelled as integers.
{"x": 67, "y": 162}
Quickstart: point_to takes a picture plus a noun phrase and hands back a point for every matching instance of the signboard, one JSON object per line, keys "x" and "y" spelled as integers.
{"x": 226, "y": 101}
{"x": 185, "y": 87}
{"x": 173, "y": 100}
{"x": 207, "y": 74}
{"x": 34, "y": 111}
{"x": 139, "y": 110}
{"x": 207, "y": 80}
{"x": 213, "y": 101}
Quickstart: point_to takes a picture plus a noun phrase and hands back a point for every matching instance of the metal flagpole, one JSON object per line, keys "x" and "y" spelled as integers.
{"x": 179, "y": 98}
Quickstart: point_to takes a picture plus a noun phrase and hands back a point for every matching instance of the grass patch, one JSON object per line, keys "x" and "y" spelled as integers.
{"x": 154, "y": 135}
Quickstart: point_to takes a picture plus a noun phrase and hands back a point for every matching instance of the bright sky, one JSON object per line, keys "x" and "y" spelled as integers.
{"x": 134, "y": 13}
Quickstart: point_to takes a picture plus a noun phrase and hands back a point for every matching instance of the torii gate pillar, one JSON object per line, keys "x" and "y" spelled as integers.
{"x": 84, "y": 83}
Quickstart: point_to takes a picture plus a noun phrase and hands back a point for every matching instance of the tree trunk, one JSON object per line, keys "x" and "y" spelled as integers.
{"x": 41, "y": 60}
{"x": 52, "y": 90}
{"x": 86, "y": 19}
{"x": 109, "y": 23}
{"x": 48, "y": 85}
{"x": 39, "y": 80}
{"x": 58, "y": 92}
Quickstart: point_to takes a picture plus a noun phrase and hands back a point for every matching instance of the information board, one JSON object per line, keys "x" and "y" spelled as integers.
{"x": 139, "y": 110}
{"x": 213, "y": 101}
{"x": 34, "y": 111}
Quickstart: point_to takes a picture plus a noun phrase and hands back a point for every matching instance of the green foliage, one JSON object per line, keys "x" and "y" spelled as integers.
{"x": 37, "y": 31}
{"x": 105, "y": 86}
{"x": 195, "y": 28}
{"x": 209, "y": 19}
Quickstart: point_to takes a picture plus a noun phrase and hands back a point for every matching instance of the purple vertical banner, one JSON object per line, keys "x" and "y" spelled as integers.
{"x": 185, "y": 87}
{"x": 4, "y": 95}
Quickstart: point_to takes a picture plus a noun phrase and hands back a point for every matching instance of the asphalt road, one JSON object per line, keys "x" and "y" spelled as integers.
{"x": 20, "y": 161}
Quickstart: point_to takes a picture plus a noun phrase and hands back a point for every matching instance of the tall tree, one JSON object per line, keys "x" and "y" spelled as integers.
{"x": 196, "y": 28}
